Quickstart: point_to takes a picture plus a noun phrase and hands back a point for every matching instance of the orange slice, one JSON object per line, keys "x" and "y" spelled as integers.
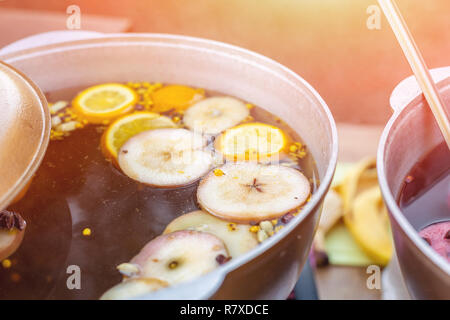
{"x": 175, "y": 97}
{"x": 105, "y": 102}
{"x": 252, "y": 141}
{"x": 127, "y": 126}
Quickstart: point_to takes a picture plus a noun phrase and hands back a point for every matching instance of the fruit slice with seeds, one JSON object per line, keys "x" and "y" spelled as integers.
{"x": 133, "y": 288}
{"x": 181, "y": 256}
{"x": 237, "y": 237}
{"x": 214, "y": 115}
{"x": 165, "y": 157}
{"x": 250, "y": 192}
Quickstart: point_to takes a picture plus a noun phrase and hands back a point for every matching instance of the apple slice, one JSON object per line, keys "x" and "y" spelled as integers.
{"x": 132, "y": 288}
{"x": 165, "y": 157}
{"x": 181, "y": 256}
{"x": 237, "y": 237}
{"x": 248, "y": 192}
{"x": 12, "y": 229}
{"x": 10, "y": 240}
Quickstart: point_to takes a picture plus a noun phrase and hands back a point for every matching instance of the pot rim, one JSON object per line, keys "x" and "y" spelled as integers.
{"x": 44, "y": 140}
{"x": 224, "y": 49}
{"x": 389, "y": 198}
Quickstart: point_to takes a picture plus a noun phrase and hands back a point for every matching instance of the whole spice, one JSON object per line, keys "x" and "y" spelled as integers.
{"x": 6, "y": 263}
{"x": 287, "y": 217}
{"x": 10, "y": 220}
{"x": 129, "y": 269}
{"x": 266, "y": 226}
{"x": 58, "y": 106}
{"x": 87, "y": 232}
{"x": 261, "y": 235}
{"x": 221, "y": 259}
{"x": 409, "y": 179}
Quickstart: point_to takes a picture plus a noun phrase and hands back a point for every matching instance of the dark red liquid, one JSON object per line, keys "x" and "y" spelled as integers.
{"x": 424, "y": 198}
{"x": 425, "y": 195}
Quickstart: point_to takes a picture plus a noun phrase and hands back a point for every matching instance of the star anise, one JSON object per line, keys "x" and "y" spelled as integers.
{"x": 221, "y": 259}
{"x": 255, "y": 185}
{"x": 11, "y": 219}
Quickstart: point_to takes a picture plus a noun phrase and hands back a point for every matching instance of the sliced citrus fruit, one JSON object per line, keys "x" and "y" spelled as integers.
{"x": 175, "y": 97}
{"x": 252, "y": 141}
{"x": 368, "y": 222}
{"x": 358, "y": 179}
{"x": 104, "y": 102}
{"x": 129, "y": 125}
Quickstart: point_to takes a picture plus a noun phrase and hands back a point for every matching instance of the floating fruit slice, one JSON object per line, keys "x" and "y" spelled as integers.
{"x": 214, "y": 115}
{"x": 165, "y": 157}
{"x": 181, "y": 256}
{"x": 104, "y": 102}
{"x": 12, "y": 229}
{"x": 10, "y": 240}
{"x": 129, "y": 125}
{"x": 437, "y": 236}
{"x": 250, "y": 192}
{"x": 237, "y": 237}
{"x": 252, "y": 141}
{"x": 368, "y": 222}
{"x": 132, "y": 288}
{"x": 175, "y": 97}
{"x": 360, "y": 178}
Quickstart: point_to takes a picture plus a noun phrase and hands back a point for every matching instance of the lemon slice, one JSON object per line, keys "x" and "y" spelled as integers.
{"x": 175, "y": 97}
{"x": 252, "y": 141}
{"x": 102, "y": 103}
{"x": 368, "y": 222}
{"x": 127, "y": 126}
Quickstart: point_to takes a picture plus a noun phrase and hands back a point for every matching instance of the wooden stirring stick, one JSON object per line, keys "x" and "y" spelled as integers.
{"x": 418, "y": 66}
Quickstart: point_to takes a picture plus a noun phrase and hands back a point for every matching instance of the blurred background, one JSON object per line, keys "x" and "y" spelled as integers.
{"x": 325, "y": 41}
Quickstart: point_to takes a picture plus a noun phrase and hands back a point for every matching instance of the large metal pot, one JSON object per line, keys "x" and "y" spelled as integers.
{"x": 410, "y": 134}
{"x": 271, "y": 270}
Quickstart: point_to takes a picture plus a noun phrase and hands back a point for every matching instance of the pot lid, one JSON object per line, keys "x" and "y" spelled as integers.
{"x": 24, "y": 132}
